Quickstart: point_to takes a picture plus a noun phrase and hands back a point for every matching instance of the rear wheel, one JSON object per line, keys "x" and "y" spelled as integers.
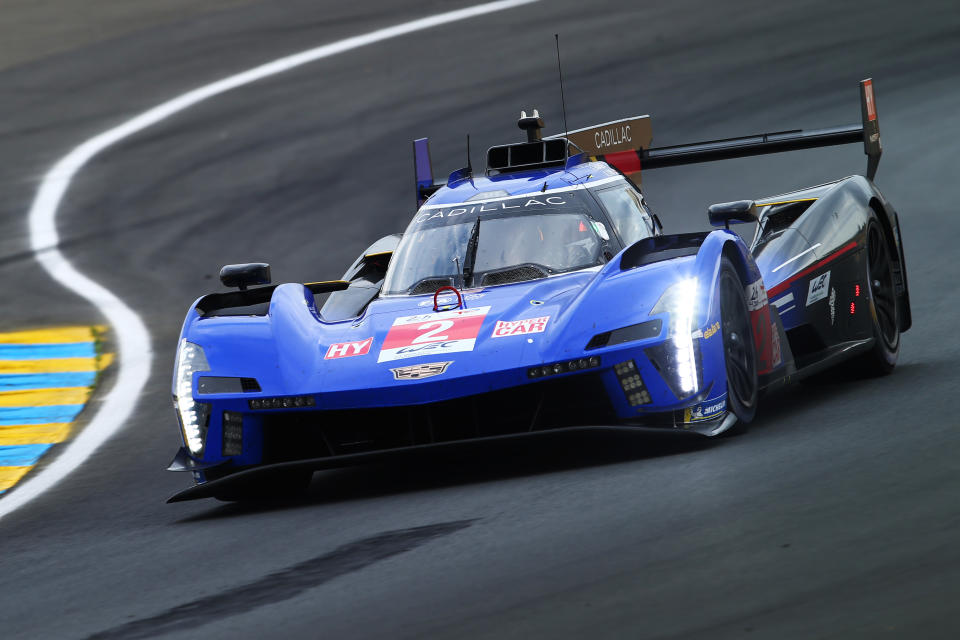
{"x": 883, "y": 308}
{"x": 738, "y": 347}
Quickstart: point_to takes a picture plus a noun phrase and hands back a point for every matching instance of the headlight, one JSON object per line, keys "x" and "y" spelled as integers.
{"x": 194, "y": 416}
{"x": 679, "y": 300}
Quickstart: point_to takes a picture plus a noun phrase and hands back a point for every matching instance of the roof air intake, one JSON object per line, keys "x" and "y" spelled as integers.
{"x": 535, "y": 153}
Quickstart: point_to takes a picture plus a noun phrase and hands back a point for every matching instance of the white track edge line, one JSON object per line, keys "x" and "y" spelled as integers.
{"x": 134, "y": 357}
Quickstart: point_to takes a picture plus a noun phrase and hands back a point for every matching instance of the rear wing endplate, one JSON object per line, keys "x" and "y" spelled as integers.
{"x": 871, "y": 127}
{"x": 423, "y": 171}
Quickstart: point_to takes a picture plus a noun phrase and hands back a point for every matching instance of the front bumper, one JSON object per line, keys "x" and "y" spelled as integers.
{"x": 242, "y": 478}
{"x": 449, "y": 408}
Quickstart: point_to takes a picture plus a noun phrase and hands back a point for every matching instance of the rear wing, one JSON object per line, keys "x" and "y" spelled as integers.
{"x": 867, "y": 132}
{"x": 625, "y": 145}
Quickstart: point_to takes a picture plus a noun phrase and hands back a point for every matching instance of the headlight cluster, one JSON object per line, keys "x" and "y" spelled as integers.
{"x": 194, "y": 416}
{"x": 679, "y": 300}
{"x": 232, "y": 438}
{"x": 632, "y": 383}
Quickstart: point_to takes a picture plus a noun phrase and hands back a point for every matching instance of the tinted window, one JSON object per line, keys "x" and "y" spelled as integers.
{"x": 626, "y": 213}
{"x": 516, "y": 238}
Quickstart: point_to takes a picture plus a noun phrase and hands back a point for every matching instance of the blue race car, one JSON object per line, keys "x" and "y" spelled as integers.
{"x": 542, "y": 295}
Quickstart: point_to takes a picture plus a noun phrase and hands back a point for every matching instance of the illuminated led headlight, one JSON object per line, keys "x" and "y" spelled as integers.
{"x": 679, "y": 300}
{"x": 194, "y": 416}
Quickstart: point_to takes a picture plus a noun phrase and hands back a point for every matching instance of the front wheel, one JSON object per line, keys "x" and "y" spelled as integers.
{"x": 739, "y": 352}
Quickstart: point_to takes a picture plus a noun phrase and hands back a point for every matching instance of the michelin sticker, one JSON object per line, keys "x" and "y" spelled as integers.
{"x": 705, "y": 411}
{"x": 818, "y": 289}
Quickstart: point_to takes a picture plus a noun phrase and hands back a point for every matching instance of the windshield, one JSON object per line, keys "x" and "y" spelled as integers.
{"x": 514, "y": 240}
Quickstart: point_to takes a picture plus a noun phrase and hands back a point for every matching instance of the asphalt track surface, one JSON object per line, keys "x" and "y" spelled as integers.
{"x": 835, "y": 515}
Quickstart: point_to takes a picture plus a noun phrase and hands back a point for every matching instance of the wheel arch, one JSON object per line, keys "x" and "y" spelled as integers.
{"x": 895, "y": 245}
{"x": 718, "y": 245}
{"x": 767, "y": 330}
{"x": 739, "y": 261}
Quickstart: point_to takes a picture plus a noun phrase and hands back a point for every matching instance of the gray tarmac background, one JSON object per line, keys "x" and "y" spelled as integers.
{"x": 33, "y": 30}
{"x": 835, "y": 516}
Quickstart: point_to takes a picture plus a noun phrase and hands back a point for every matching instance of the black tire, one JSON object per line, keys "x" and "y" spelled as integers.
{"x": 882, "y": 294}
{"x": 739, "y": 352}
{"x": 278, "y": 486}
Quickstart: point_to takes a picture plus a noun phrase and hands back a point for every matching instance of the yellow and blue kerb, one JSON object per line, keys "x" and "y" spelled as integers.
{"x": 46, "y": 377}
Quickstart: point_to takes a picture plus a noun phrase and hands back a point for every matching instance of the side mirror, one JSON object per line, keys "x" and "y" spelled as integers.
{"x": 244, "y": 275}
{"x": 739, "y": 212}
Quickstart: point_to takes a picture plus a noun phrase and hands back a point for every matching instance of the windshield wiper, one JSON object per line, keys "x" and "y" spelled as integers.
{"x": 471, "y": 257}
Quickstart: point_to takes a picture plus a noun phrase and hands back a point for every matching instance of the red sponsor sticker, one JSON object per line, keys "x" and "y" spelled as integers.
{"x": 766, "y": 338}
{"x": 432, "y": 333}
{"x": 871, "y": 105}
{"x": 348, "y": 349}
{"x": 506, "y": 328}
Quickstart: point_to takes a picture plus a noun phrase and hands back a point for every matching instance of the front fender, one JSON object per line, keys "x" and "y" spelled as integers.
{"x": 707, "y": 271}
{"x": 767, "y": 333}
